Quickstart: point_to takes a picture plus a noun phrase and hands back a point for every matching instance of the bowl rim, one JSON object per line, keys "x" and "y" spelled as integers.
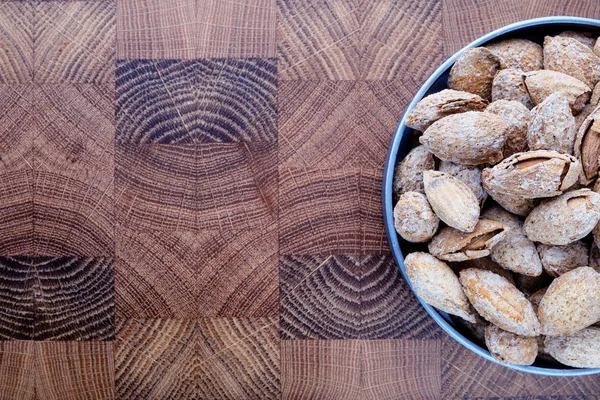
{"x": 387, "y": 191}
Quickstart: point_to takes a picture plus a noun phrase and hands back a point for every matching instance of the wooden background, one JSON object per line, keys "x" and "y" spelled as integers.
{"x": 190, "y": 200}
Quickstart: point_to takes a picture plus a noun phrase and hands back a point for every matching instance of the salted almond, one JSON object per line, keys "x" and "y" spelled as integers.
{"x": 585, "y": 38}
{"x": 408, "y": 176}
{"x": 571, "y": 57}
{"x": 516, "y": 252}
{"x": 534, "y": 174}
{"x": 469, "y": 175}
{"x": 453, "y": 245}
{"x": 517, "y": 116}
{"x": 541, "y": 84}
{"x": 571, "y": 303}
{"x": 509, "y": 348}
{"x": 435, "y": 283}
{"x": 580, "y": 349}
{"x": 474, "y": 71}
{"x": 499, "y": 302}
{"x": 509, "y": 84}
{"x": 470, "y": 138}
{"x": 452, "y": 200}
{"x": 564, "y": 219}
{"x": 414, "y": 219}
{"x": 441, "y": 104}
{"x": 552, "y": 125}
{"x": 587, "y": 146}
{"x": 558, "y": 260}
{"x": 521, "y": 54}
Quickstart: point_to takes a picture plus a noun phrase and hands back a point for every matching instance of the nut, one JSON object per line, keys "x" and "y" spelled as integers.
{"x": 474, "y": 71}
{"x": 509, "y": 84}
{"x": 580, "y": 349}
{"x": 470, "y": 138}
{"x": 541, "y": 84}
{"x": 571, "y": 303}
{"x": 470, "y": 176}
{"x": 586, "y": 38}
{"x": 509, "y": 348}
{"x": 595, "y": 95}
{"x": 516, "y": 115}
{"x": 579, "y": 118}
{"x": 435, "y": 282}
{"x": 571, "y": 57}
{"x": 558, "y": 260}
{"x": 535, "y": 174}
{"x": 442, "y": 104}
{"x": 516, "y": 252}
{"x": 499, "y": 302}
{"x": 453, "y": 245}
{"x": 408, "y": 176}
{"x": 521, "y": 54}
{"x": 564, "y": 219}
{"x": 552, "y": 125}
{"x": 587, "y": 146}
{"x": 414, "y": 219}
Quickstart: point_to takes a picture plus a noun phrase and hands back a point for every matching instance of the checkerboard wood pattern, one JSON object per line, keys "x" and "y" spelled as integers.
{"x": 190, "y": 200}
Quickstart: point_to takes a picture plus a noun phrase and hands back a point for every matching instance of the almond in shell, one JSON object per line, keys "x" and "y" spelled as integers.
{"x": 552, "y": 125}
{"x": 499, "y": 302}
{"x": 585, "y": 38}
{"x": 521, "y": 54}
{"x": 580, "y": 349}
{"x": 474, "y": 71}
{"x": 469, "y": 175}
{"x": 408, "y": 176}
{"x": 517, "y": 116}
{"x": 509, "y": 84}
{"x": 558, "y": 260}
{"x": 587, "y": 146}
{"x": 509, "y": 348}
{"x": 435, "y": 282}
{"x": 414, "y": 219}
{"x": 571, "y": 57}
{"x": 541, "y": 84}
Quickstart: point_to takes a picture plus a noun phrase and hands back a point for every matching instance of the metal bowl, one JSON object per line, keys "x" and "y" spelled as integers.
{"x": 404, "y": 140}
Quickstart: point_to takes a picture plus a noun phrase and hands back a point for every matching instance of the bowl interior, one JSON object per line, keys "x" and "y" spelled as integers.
{"x": 405, "y": 139}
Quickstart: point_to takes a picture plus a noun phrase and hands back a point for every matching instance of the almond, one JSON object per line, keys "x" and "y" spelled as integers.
{"x": 552, "y": 125}
{"x": 509, "y": 84}
{"x": 469, "y": 175}
{"x": 414, "y": 219}
{"x": 474, "y": 71}
{"x": 521, "y": 54}
{"x": 587, "y": 146}
{"x": 408, "y": 176}
{"x": 517, "y": 116}
{"x": 571, "y": 57}
{"x": 585, "y": 38}
{"x": 580, "y": 349}
{"x": 557, "y": 260}
{"x": 541, "y": 84}
{"x": 509, "y": 348}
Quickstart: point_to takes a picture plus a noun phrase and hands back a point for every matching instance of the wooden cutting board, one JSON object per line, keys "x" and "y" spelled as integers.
{"x": 190, "y": 200}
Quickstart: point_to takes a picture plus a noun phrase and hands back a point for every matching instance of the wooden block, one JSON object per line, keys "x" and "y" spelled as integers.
{"x": 17, "y": 37}
{"x": 208, "y": 187}
{"x": 580, "y": 8}
{"x": 75, "y": 42}
{"x": 65, "y": 298}
{"x": 466, "y": 375}
{"x": 466, "y": 20}
{"x": 18, "y": 125}
{"x": 230, "y": 28}
{"x": 319, "y": 40}
{"x": 193, "y": 275}
{"x": 17, "y": 370}
{"x": 175, "y": 101}
{"x": 16, "y": 212}
{"x": 239, "y": 358}
{"x": 349, "y": 297}
{"x": 75, "y": 371}
{"x": 401, "y": 369}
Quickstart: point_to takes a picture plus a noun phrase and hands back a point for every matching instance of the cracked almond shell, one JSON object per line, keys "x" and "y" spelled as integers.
{"x": 441, "y": 104}
{"x": 552, "y": 125}
{"x": 587, "y": 146}
{"x": 469, "y": 175}
{"x": 509, "y": 348}
{"x": 521, "y": 54}
{"x": 470, "y": 138}
{"x": 517, "y": 116}
{"x": 571, "y": 303}
{"x": 531, "y": 175}
{"x": 541, "y": 84}
{"x": 558, "y": 260}
{"x": 435, "y": 283}
{"x": 564, "y": 219}
{"x": 453, "y": 245}
{"x": 451, "y": 200}
{"x": 408, "y": 176}
{"x": 414, "y": 219}
{"x": 571, "y": 57}
{"x": 499, "y": 302}
{"x": 516, "y": 252}
{"x": 580, "y": 349}
{"x": 509, "y": 84}
{"x": 474, "y": 71}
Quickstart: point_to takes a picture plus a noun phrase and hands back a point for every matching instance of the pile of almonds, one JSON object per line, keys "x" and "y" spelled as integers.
{"x": 504, "y": 190}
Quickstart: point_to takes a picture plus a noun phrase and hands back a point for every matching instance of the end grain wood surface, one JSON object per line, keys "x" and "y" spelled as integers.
{"x": 190, "y": 200}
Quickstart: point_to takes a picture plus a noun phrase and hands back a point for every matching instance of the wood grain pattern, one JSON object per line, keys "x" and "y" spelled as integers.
{"x": 580, "y": 8}
{"x": 17, "y": 35}
{"x": 56, "y": 370}
{"x": 65, "y": 298}
{"x": 209, "y": 358}
{"x": 349, "y": 297}
{"x": 210, "y": 187}
{"x": 75, "y": 42}
{"x": 18, "y": 124}
{"x": 17, "y": 212}
{"x": 466, "y": 375}
{"x": 176, "y": 274}
{"x": 218, "y": 100}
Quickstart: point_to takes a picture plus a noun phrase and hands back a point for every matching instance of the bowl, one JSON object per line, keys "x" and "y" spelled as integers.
{"x": 404, "y": 140}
